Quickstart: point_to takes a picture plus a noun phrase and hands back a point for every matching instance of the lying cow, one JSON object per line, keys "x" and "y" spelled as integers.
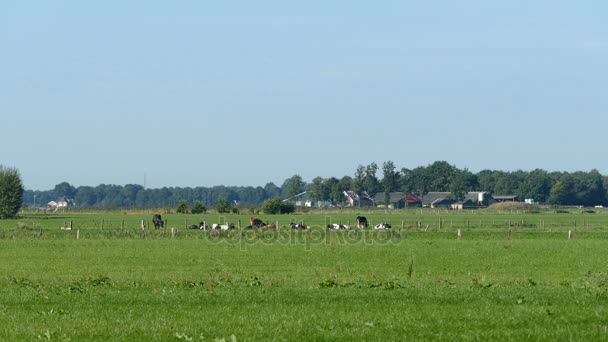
{"x": 201, "y": 226}
{"x": 335, "y": 226}
{"x": 222, "y": 226}
{"x": 297, "y": 226}
{"x": 256, "y": 222}
{"x": 382, "y": 226}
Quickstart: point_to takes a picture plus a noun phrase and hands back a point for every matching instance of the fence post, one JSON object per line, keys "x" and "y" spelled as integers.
{"x": 459, "y": 234}
{"x": 172, "y": 232}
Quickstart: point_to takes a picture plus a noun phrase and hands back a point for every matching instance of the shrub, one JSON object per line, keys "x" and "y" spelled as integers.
{"x": 182, "y": 208}
{"x": 277, "y": 206}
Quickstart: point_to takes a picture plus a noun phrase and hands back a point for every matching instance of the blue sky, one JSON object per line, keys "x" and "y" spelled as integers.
{"x": 203, "y": 93}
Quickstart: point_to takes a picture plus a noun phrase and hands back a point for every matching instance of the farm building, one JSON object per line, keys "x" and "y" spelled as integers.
{"x": 509, "y": 198}
{"x": 395, "y": 200}
{"x": 437, "y": 200}
{"x": 361, "y": 200}
{"x": 476, "y": 199}
{"x": 413, "y": 201}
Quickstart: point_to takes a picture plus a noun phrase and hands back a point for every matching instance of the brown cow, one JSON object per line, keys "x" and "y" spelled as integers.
{"x": 256, "y": 222}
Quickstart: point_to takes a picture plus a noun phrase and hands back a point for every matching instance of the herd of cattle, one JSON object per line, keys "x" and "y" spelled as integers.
{"x": 256, "y": 223}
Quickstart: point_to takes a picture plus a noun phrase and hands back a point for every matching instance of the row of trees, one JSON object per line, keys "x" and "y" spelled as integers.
{"x": 562, "y": 188}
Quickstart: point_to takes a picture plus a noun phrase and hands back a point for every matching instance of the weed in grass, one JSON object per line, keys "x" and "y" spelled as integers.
{"x": 254, "y": 281}
{"x": 482, "y": 282}
{"x": 410, "y": 266}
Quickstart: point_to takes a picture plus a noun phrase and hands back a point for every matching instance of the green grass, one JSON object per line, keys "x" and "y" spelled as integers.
{"x": 423, "y": 284}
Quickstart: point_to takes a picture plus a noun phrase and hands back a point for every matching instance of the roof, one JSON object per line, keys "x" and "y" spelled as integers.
{"x": 393, "y": 197}
{"x": 433, "y": 197}
{"x": 508, "y": 197}
{"x": 301, "y": 195}
{"x": 411, "y": 198}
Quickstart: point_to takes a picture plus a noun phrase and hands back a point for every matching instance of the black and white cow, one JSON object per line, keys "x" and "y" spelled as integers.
{"x": 158, "y": 222}
{"x": 297, "y": 226}
{"x": 362, "y": 222}
{"x": 335, "y": 226}
{"x": 382, "y": 226}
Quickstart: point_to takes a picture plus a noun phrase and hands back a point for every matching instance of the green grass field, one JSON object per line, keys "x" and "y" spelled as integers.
{"x": 417, "y": 282}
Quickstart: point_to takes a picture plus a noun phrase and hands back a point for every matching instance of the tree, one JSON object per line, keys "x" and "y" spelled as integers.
{"x": 318, "y": 190}
{"x": 357, "y": 185}
{"x": 293, "y": 186}
{"x": 223, "y": 206}
{"x": 272, "y": 190}
{"x": 537, "y": 186}
{"x": 198, "y": 208}
{"x": 182, "y": 207}
{"x": 64, "y": 189}
{"x": 11, "y": 192}
{"x": 562, "y": 192}
{"x": 390, "y": 179}
{"x": 370, "y": 182}
{"x": 462, "y": 182}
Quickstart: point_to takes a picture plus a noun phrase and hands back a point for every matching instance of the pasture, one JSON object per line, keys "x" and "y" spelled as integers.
{"x": 512, "y": 276}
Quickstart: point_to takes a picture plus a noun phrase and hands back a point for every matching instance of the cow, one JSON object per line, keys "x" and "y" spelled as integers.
{"x": 270, "y": 227}
{"x": 335, "y": 226}
{"x": 256, "y": 222}
{"x": 201, "y": 226}
{"x": 362, "y": 222}
{"x": 297, "y": 226}
{"x": 157, "y": 220}
{"x": 222, "y": 226}
{"x": 382, "y": 226}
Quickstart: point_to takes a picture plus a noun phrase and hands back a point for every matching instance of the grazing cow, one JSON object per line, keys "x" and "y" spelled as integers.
{"x": 362, "y": 222}
{"x": 382, "y": 226}
{"x": 256, "y": 222}
{"x": 335, "y": 226}
{"x": 297, "y": 226}
{"x": 158, "y": 221}
{"x": 203, "y": 226}
{"x": 193, "y": 227}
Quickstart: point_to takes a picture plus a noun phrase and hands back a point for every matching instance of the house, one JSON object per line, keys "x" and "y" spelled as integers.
{"x": 63, "y": 202}
{"x": 437, "y": 200}
{"x": 395, "y": 199}
{"x": 361, "y": 200}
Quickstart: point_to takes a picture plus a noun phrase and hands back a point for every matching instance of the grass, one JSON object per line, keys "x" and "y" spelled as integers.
{"x": 115, "y": 284}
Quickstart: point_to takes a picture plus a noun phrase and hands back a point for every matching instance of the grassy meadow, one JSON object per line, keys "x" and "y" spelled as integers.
{"x": 512, "y": 276}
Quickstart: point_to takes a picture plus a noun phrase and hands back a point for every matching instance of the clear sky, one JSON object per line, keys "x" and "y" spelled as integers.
{"x": 203, "y": 93}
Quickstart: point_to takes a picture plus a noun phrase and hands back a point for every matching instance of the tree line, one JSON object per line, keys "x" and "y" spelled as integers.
{"x": 559, "y": 188}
